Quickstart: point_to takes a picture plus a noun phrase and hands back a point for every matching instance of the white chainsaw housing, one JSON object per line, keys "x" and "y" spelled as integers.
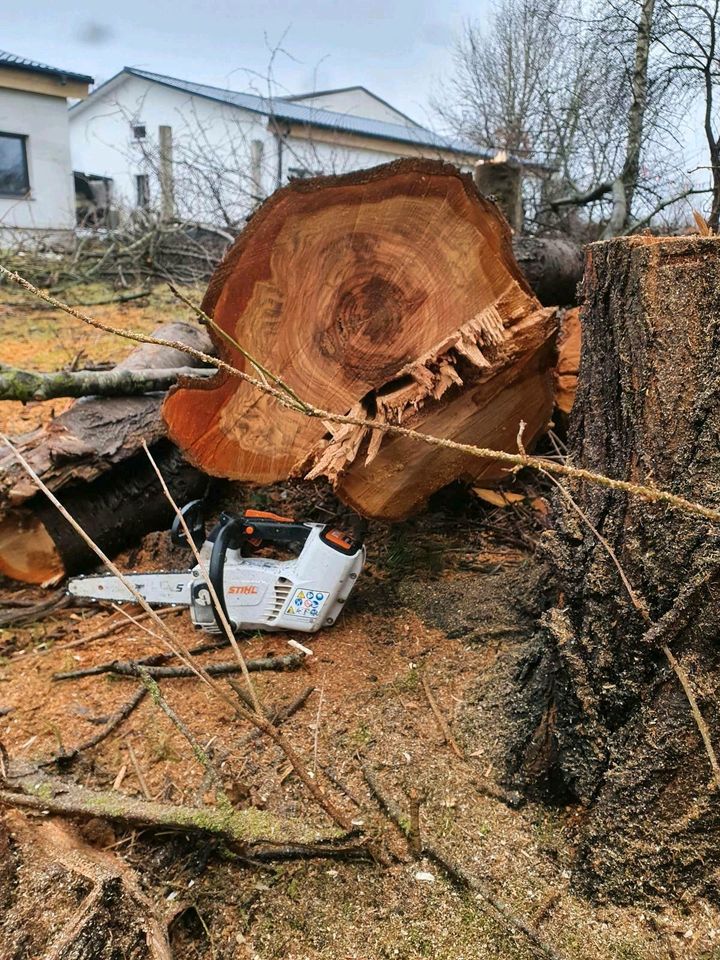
{"x": 304, "y": 593}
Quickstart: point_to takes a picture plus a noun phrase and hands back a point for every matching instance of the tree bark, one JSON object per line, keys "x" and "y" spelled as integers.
{"x": 91, "y": 457}
{"x": 390, "y": 293}
{"x": 553, "y": 266}
{"x": 610, "y": 723}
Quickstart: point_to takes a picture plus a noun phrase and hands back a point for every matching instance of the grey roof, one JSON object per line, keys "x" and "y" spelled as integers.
{"x": 33, "y": 66}
{"x": 283, "y": 109}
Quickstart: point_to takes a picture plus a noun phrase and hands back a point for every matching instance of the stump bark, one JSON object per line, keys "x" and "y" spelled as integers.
{"x": 610, "y": 724}
{"x": 389, "y": 293}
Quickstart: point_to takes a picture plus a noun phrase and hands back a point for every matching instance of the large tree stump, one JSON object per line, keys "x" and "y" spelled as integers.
{"x": 391, "y": 293}
{"x": 612, "y": 726}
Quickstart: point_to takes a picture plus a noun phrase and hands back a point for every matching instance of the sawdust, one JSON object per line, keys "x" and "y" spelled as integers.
{"x": 368, "y": 669}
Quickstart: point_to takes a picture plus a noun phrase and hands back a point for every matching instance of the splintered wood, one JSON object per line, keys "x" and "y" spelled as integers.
{"x": 392, "y": 294}
{"x": 568, "y": 364}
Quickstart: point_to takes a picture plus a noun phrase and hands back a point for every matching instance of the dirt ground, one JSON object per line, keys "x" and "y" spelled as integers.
{"x": 447, "y": 604}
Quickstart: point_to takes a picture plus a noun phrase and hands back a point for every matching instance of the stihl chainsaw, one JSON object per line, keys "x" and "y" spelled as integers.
{"x": 306, "y": 592}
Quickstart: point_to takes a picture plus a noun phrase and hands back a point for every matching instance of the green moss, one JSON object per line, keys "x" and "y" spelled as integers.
{"x": 42, "y": 790}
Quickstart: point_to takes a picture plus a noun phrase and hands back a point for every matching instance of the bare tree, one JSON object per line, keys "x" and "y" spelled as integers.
{"x": 583, "y": 87}
{"x": 690, "y": 40}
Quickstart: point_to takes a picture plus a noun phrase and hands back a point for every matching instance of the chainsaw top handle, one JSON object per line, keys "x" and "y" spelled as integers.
{"x": 231, "y": 533}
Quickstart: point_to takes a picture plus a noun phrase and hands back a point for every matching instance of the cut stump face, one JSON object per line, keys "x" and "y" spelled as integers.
{"x": 382, "y": 292}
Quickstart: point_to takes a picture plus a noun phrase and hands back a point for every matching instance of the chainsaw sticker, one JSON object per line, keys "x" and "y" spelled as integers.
{"x": 306, "y": 603}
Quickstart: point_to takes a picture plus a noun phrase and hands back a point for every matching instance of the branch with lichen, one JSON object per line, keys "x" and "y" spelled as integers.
{"x": 27, "y": 385}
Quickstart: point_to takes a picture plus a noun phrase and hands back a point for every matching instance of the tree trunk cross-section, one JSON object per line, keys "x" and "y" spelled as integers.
{"x": 390, "y": 293}
{"x": 612, "y": 725}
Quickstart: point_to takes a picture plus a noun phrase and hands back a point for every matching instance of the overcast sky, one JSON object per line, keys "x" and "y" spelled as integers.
{"x": 397, "y": 48}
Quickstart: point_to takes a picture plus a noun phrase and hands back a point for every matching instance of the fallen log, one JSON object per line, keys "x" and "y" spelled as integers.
{"x": 91, "y": 457}
{"x": 390, "y": 293}
{"x": 553, "y": 266}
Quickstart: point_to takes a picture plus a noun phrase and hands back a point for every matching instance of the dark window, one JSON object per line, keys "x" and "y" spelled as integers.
{"x": 14, "y": 179}
{"x": 139, "y": 131}
{"x": 142, "y": 189}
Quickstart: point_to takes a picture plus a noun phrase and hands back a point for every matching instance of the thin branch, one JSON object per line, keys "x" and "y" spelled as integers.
{"x": 131, "y": 668}
{"x": 442, "y": 722}
{"x": 151, "y": 687}
{"x": 642, "y": 491}
{"x": 66, "y": 757}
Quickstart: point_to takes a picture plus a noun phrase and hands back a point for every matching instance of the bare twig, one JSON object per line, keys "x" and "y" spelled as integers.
{"x": 111, "y": 628}
{"x": 457, "y": 873}
{"x": 414, "y": 836}
{"x": 138, "y": 772}
{"x": 442, "y": 722}
{"x": 113, "y": 723}
{"x": 151, "y": 687}
{"x": 152, "y": 660}
{"x": 135, "y": 668}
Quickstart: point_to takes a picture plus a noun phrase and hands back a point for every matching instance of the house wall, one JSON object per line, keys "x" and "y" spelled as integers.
{"x": 212, "y": 147}
{"x": 44, "y": 121}
{"x": 225, "y": 159}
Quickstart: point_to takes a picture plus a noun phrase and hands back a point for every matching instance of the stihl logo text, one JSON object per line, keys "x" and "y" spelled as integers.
{"x": 246, "y": 591}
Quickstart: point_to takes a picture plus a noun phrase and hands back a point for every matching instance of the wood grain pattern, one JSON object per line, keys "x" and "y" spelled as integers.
{"x": 388, "y": 292}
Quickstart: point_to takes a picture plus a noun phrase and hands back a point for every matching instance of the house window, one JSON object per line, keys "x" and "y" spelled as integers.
{"x": 139, "y": 131}
{"x": 14, "y": 179}
{"x": 142, "y": 190}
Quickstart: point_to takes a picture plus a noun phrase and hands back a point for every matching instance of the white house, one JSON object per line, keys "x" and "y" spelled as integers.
{"x": 210, "y": 154}
{"x": 36, "y": 176}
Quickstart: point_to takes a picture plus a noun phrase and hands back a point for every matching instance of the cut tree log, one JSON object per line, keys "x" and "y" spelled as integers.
{"x": 553, "y": 266}
{"x": 389, "y": 293}
{"x": 605, "y": 719}
{"x": 91, "y": 457}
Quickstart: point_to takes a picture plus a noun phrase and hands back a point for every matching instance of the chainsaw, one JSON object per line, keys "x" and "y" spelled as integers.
{"x": 305, "y": 592}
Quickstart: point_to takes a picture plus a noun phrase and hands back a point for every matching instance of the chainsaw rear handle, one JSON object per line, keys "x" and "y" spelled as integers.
{"x": 232, "y": 533}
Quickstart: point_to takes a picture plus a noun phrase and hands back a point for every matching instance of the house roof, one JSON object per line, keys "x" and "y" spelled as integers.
{"x": 286, "y": 110}
{"x": 15, "y": 62}
{"x": 311, "y": 94}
